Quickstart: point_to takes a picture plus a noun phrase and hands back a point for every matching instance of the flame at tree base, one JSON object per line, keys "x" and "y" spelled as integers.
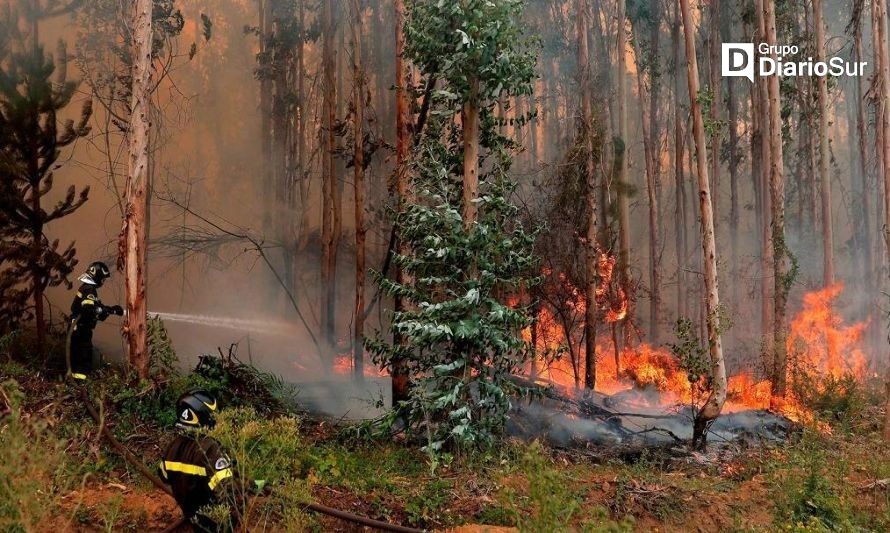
{"x": 819, "y": 345}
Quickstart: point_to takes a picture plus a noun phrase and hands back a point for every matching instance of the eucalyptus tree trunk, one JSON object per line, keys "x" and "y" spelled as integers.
{"x": 328, "y": 180}
{"x": 824, "y": 178}
{"x": 766, "y": 235}
{"x": 862, "y": 223}
{"x": 592, "y": 230}
{"x": 399, "y": 386}
{"x": 777, "y": 193}
{"x": 679, "y": 178}
{"x": 358, "y": 163}
{"x": 302, "y": 175}
{"x": 136, "y": 213}
{"x": 734, "y": 158}
{"x": 714, "y": 85}
{"x": 882, "y": 96}
{"x": 651, "y": 167}
{"x": 470, "y": 124}
{"x": 265, "y": 23}
{"x": 621, "y": 182}
{"x": 717, "y": 395}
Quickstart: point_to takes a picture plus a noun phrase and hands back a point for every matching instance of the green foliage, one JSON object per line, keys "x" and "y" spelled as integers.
{"x": 689, "y": 351}
{"x": 809, "y": 494}
{"x": 232, "y": 382}
{"x": 693, "y": 354}
{"x": 34, "y": 95}
{"x": 840, "y": 400}
{"x": 162, "y": 355}
{"x": 268, "y": 449}
{"x": 549, "y": 503}
{"x": 462, "y": 338}
{"x": 706, "y": 100}
{"x": 29, "y": 459}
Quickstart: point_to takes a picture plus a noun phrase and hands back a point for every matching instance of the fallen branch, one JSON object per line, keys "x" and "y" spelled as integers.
{"x": 879, "y": 484}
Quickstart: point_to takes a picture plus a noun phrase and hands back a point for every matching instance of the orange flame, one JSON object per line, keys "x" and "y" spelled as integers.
{"x": 819, "y": 343}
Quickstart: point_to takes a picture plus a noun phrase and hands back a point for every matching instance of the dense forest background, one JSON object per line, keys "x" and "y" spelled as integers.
{"x": 253, "y": 143}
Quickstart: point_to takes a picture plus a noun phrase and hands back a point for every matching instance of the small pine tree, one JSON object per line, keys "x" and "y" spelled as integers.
{"x": 33, "y": 91}
{"x": 461, "y": 334}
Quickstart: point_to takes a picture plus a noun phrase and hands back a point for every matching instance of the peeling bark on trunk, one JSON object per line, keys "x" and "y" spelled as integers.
{"x": 592, "y": 230}
{"x": 136, "y": 214}
{"x": 717, "y": 396}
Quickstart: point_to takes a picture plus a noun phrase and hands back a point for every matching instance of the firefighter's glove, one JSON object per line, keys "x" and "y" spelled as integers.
{"x": 116, "y": 310}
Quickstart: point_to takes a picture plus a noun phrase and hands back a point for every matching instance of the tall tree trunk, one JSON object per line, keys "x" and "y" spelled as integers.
{"x": 328, "y": 180}
{"x": 137, "y": 192}
{"x": 714, "y": 85}
{"x": 470, "y": 124}
{"x": 882, "y": 99}
{"x": 399, "y": 366}
{"x": 358, "y": 163}
{"x": 679, "y": 178}
{"x": 717, "y": 396}
{"x": 732, "y": 104}
{"x": 824, "y": 178}
{"x": 302, "y": 175}
{"x": 862, "y": 223}
{"x": 621, "y": 181}
{"x": 265, "y": 23}
{"x": 777, "y": 193}
{"x": 590, "y": 248}
{"x": 766, "y": 235}
{"x": 651, "y": 163}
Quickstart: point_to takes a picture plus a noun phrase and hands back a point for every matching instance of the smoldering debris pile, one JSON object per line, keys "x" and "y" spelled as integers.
{"x": 634, "y": 418}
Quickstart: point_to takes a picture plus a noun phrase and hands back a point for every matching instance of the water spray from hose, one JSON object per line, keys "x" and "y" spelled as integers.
{"x": 268, "y": 327}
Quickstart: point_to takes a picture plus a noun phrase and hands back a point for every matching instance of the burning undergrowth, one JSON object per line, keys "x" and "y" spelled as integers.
{"x": 645, "y": 396}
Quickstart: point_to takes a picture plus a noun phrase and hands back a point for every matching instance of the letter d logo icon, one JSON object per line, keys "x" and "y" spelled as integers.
{"x": 738, "y": 60}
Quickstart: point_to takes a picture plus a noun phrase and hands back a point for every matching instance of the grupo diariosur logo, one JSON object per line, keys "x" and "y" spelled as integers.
{"x": 738, "y": 59}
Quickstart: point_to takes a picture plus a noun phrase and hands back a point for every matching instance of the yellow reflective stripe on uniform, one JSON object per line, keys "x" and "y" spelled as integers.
{"x": 78, "y": 376}
{"x": 79, "y": 294}
{"x": 88, "y": 301}
{"x": 163, "y": 470}
{"x": 218, "y": 477}
{"x": 185, "y": 468}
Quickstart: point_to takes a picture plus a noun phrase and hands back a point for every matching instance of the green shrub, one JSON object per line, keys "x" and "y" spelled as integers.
{"x": 810, "y": 490}
{"x": 835, "y": 399}
{"x": 549, "y": 504}
{"x": 29, "y": 459}
{"x": 268, "y": 449}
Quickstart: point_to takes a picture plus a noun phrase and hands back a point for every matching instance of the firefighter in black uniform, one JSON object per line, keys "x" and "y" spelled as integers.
{"x": 86, "y": 311}
{"x": 195, "y": 466}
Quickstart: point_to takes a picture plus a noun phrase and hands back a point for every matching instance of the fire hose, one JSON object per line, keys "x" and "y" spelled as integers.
{"x": 309, "y": 506}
